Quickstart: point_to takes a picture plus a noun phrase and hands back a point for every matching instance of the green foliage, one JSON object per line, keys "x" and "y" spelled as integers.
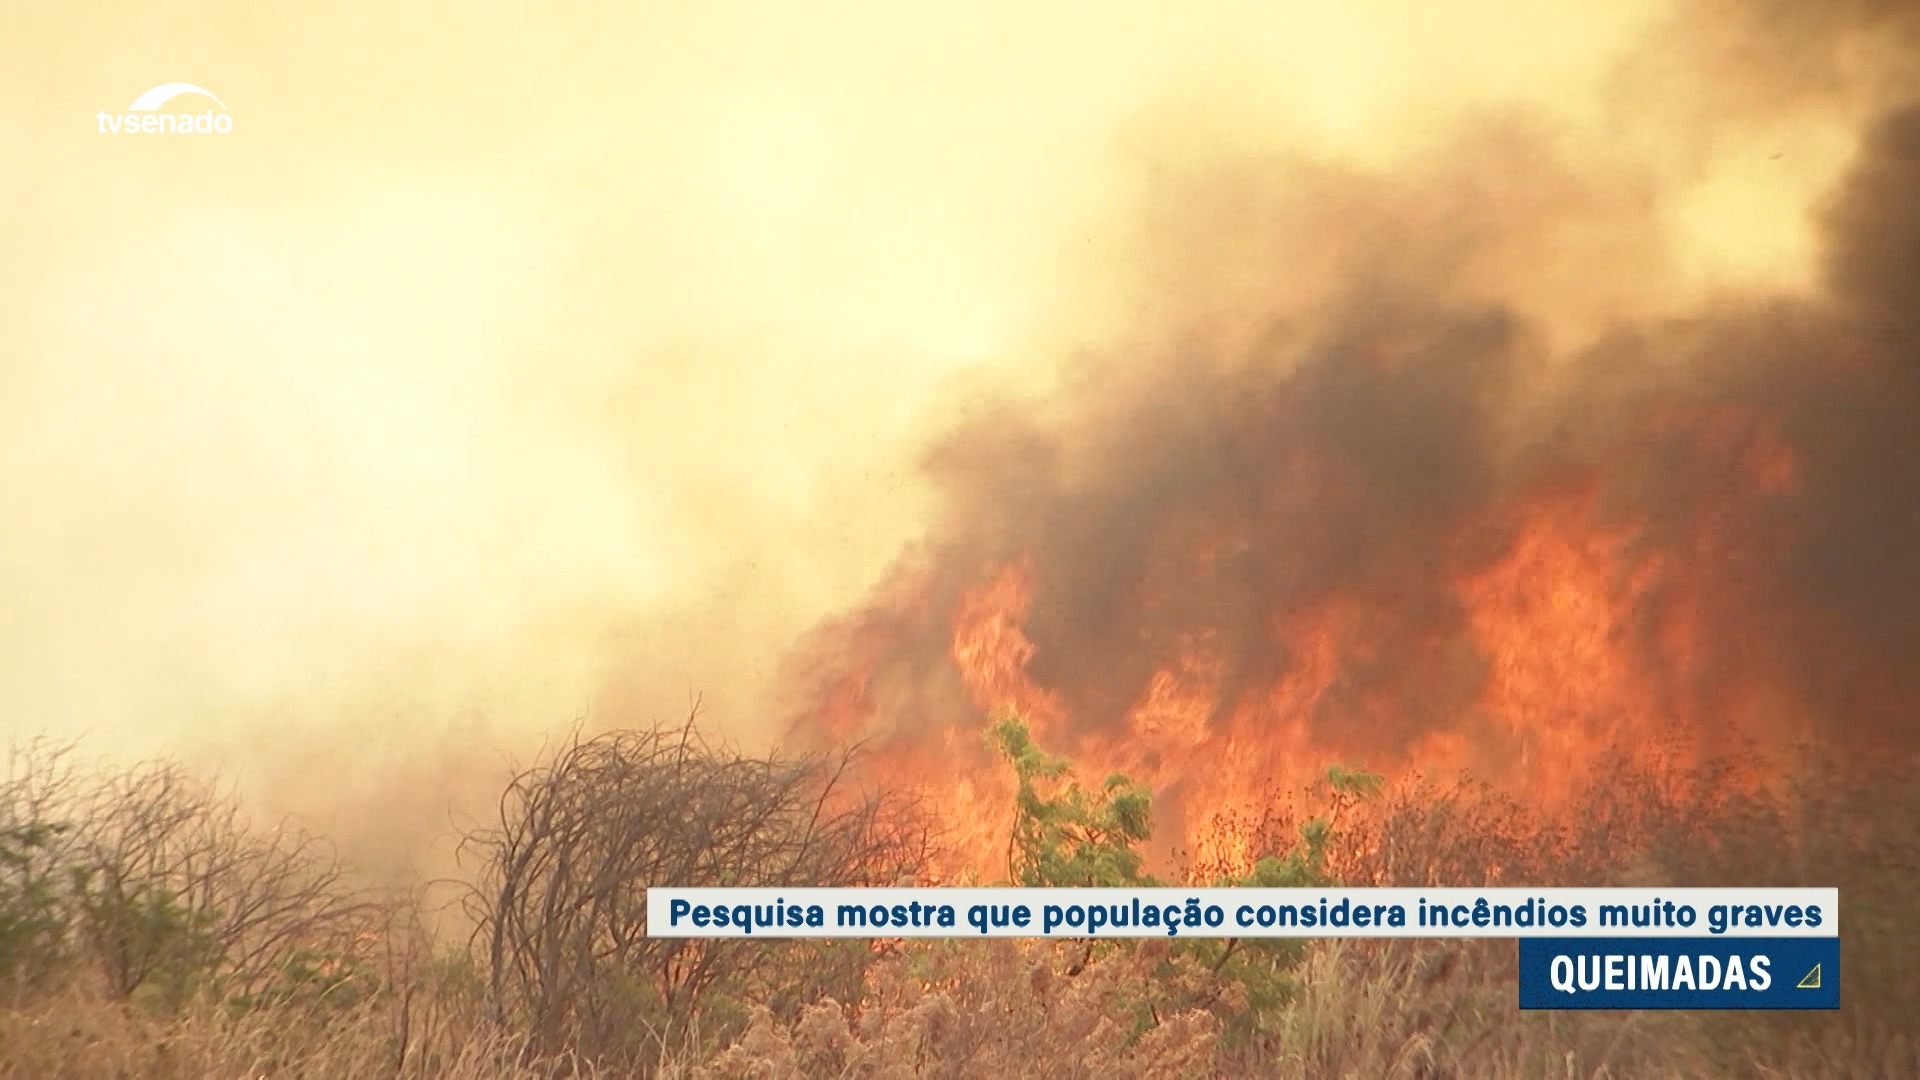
{"x": 1073, "y": 838}
{"x": 149, "y": 941}
{"x": 1357, "y": 783}
{"x": 313, "y": 978}
{"x": 1068, "y": 836}
{"x": 33, "y": 916}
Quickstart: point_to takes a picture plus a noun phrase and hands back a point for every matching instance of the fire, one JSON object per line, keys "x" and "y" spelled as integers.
{"x": 1570, "y": 639}
{"x": 1553, "y": 619}
{"x": 1218, "y": 581}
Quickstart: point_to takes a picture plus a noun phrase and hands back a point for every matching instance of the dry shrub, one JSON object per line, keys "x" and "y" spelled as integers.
{"x": 178, "y": 891}
{"x": 560, "y": 898}
{"x": 1415, "y": 833}
{"x": 75, "y": 1036}
{"x": 1671, "y": 816}
{"x": 997, "y": 1008}
{"x": 1848, "y": 820}
{"x": 1446, "y": 1010}
{"x": 38, "y": 796}
{"x": 172, "y": 937}
{"x": 152, "y": 882}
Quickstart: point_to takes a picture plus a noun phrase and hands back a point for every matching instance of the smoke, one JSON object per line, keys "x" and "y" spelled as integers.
{"x": 1356, "y": 386}
{"x": 1862, "y": 508}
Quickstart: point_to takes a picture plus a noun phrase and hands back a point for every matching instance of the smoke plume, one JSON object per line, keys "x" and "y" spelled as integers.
{"x": 1450, "y": 462}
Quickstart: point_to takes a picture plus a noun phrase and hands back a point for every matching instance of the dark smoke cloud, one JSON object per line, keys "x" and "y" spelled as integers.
{"x": 1859, "y": 564}
{"x": 1822, "y": 585}
{"x": 1374, "y": 445}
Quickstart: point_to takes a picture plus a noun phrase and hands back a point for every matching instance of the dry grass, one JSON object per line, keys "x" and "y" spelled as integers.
{"x": 1369, "y": 1009}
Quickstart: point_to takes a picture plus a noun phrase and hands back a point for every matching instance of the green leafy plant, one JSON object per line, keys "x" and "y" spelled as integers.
{"x": 1072, "y": 837}
{"x": 147, "y": 939}
{"x": 33, "y": 915}
{"x": 1065, "y": 835}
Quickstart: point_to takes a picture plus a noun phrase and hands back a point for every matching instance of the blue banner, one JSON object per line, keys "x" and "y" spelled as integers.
{"x": 1680, "y": 973}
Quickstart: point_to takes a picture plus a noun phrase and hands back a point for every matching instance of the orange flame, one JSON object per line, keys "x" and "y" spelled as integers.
{"x": 1574, "y": 640}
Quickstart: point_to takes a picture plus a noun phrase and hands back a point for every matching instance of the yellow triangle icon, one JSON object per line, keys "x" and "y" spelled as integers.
{"x": 1812, "y": 979}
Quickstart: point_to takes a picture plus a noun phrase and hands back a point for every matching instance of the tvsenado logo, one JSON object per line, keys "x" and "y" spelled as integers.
{"x": 144, "y": 117}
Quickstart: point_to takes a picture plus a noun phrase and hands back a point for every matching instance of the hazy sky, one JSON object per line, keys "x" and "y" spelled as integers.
{"x": 513, "y": 358}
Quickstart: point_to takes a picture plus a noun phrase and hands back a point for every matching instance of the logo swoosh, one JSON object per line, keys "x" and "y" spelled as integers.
{"x": 160, "y": 95}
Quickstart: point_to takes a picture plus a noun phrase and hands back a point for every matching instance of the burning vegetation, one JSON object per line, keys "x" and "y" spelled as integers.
{"x": 1404, "y": 528}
